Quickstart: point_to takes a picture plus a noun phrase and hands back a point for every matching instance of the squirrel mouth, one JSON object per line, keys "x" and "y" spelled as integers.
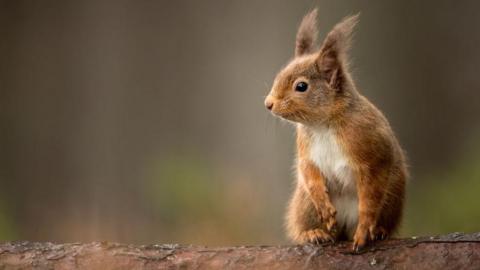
{"x": 287, "y": 116}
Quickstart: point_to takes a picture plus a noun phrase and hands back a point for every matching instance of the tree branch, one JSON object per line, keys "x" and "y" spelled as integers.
{"x": 452, "y": 251}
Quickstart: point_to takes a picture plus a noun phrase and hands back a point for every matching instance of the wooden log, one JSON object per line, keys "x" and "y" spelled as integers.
{"x": 452, "y": 251}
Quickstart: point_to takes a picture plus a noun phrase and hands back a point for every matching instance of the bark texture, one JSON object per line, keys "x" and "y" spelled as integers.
{"x": 452, "y": 251}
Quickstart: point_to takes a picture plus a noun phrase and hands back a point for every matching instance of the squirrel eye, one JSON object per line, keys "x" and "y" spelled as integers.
{"x": 301, "y": 87}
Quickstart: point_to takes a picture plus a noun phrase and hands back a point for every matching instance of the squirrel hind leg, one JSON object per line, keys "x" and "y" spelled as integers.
{"x": 391, "y": 213}
{"x": 300, "y": 216}
{"x": 303, "y": 222}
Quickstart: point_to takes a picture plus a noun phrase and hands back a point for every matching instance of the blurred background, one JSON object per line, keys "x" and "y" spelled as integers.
{"x": 143, "y": 121}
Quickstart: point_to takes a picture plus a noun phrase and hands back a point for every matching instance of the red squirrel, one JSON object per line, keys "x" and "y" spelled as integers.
{"x": 351, "y": 170}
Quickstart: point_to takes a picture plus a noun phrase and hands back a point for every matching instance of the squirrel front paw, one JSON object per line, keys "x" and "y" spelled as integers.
{"x": 366, "y": 233}
{"x": 327, "y": 214}
{"x": 316, "y": 236}
{"x": 360, "y": 238}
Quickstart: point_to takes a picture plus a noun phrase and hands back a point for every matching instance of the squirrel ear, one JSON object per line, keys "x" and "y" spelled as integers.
{"x": 307, "y": 34}
{"x": 332, "y": 59}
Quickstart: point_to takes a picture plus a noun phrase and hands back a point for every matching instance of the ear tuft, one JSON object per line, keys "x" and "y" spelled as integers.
{"x": 339, "y": 40}
{"x": 332, "y": 60}
{"x": 307, "y": 34}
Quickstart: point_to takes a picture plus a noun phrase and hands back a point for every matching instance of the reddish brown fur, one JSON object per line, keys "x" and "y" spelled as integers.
{"x": 362, "y": 131}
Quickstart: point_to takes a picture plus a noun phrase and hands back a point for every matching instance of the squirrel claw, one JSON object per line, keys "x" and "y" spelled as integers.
{"x": 356, "y": 247}
{"x": 317, "y": 236}
{"x": 380, "y": 234}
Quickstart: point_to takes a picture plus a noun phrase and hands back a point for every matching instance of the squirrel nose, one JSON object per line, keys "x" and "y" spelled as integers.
{"x": 269, "y": 104}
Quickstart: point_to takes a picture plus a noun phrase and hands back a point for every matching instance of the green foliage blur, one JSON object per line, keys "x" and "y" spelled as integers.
{"x": 447, "y": 199}
{"x": 7, "y": 223}
{"x": 198, "y": 205}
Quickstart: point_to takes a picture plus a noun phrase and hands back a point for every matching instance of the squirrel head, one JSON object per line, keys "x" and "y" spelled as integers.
{"x": 315, "y": 86}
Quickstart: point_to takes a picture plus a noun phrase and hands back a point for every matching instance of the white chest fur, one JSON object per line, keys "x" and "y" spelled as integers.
{"x": 328, "y": 155}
